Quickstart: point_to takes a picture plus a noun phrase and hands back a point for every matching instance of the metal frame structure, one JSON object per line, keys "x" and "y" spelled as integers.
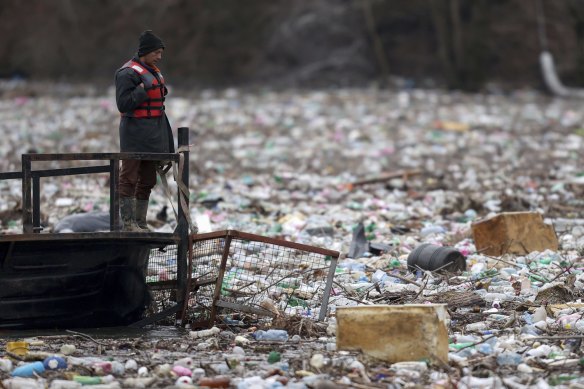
{"x": 223, "y": 246}
{"x": 283, "y": 255}
{"x": 31, "y": 222}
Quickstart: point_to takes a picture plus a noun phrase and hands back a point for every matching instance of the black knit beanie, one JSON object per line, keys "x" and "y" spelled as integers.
{"x": 148, "y": 43}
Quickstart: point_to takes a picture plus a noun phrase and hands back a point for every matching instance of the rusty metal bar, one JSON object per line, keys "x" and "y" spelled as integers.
{"x": 189, "y": 280}
{"x": 157, "y": 237}
{"x": 70, "y": 171}
{"x": 222, "y": 267}
{"x": 182, "y": 223}
{"x": 11, "y": 176}
{"x": 102, "y": 156}
{"x": 114, "y": 195}
{"x": 327, "y": 289}
{"x": 209, "y": 235}
{"x": 281, "y": 242}
{"x": 162, "y": 285}
{"x": 204, "y": 282}
{"x": 36, "y": 204}
{"x": 26, "y": 194}
{"x": 264, "y": 239}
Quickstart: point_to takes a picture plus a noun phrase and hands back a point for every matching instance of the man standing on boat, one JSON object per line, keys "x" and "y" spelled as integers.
{"x": 144, "y": 127}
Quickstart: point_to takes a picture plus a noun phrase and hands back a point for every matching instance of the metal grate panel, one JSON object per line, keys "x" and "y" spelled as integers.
{"x": 161, "y": 278}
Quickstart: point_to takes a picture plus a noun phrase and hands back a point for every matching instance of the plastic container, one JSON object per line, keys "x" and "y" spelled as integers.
{"x": 272, "y": 335}
{"x": 477, "y": 326}
{"x": 184, "y": 381}
{"x": 274, "y": 357}
{"x": 23, "y": 383}
{"x": 198, "y": 373}
{"x": 92, "y": 380}
{"x": 432, "y": 257}
{"x": 215, "y": 382}
{"x": 484, "y": 348}
{"x": 18, "y": 348}
{"x": 65, "y": 384}
{"x": 5, "y": 365}
{"x": 205, "y": 333}
{"x": 29, "y": 370}
{"x": 182, "y": 371}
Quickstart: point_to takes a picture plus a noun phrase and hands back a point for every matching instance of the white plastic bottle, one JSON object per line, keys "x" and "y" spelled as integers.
{"x": 272, "y": 335}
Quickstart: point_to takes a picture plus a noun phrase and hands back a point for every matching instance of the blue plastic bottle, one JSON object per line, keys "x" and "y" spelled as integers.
{"x": 29, "y": 370}
{"x": 509, "y": 359}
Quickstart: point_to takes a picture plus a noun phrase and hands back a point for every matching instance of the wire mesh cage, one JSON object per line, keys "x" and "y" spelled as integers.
{"x": 235, "y": 275}
{"x": 161, "y": 278}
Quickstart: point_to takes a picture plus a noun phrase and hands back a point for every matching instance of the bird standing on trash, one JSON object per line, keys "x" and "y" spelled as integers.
{"x": 144, "y": 127}
{"x": 162, "y": 215}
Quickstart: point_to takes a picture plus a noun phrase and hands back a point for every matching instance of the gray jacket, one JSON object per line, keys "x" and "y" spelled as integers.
{"x": 148, "y": 135}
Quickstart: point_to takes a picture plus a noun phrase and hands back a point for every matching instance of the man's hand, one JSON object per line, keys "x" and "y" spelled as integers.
{"x": 164, "y": 166}
{"x": 141, "y": 84}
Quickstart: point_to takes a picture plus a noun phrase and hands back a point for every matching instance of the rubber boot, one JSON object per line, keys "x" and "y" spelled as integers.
{"x": 141, "y": 211}
{"x": 127, "y": 213}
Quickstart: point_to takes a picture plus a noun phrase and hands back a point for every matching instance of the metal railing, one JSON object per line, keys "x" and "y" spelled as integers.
{"x": 31, "y": 190}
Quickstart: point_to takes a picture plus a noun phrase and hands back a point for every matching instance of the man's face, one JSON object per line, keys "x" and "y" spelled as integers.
{"x": 152, "y": 58}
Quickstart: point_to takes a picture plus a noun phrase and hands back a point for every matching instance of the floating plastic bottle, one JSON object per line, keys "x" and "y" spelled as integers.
{"x": 184, "y": 381}
{"x": 23, "y": 383}
{"x": 205, "y": 333}
{"x": 379, "y": 277}
{"x": 428, "y": 230}
{"x": 65, "y": 384}
{"x": 484, "y": 348}
{"x": 29, "y": 370}
{"x": 182, "y": 371}
{"x": 509, "y": 359}
{"x": 131, "y": 364}
{"x": 478, "y": 326}
{"x": 68, "y": 349}
{"x": 274, "y": 357}
{"x": 5, "y": 365}
{"x": 198, "y": 373}
{"x": 271, "y": 335}
{"x": 215, "y": 382}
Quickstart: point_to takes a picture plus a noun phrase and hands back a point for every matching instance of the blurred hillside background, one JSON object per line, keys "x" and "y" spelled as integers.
{"x": 462, "y": 44}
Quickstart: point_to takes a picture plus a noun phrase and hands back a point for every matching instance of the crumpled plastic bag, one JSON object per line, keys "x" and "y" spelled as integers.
{"x": 84, "y": 222}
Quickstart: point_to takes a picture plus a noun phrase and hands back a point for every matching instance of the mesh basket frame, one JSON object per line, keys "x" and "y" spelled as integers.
{"x": 263, "y": 266}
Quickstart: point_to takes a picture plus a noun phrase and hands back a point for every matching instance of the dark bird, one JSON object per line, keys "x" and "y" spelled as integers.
{"x": 162, "y": 215}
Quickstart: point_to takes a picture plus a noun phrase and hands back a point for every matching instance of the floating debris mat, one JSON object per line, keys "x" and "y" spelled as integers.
{"x": 237, "y": 276}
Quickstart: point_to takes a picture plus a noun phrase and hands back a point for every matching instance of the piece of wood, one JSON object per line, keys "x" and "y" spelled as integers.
{"x": 395, "y": 333}
{"x": 404, "y": 174}
{"x": 514, "y": 233}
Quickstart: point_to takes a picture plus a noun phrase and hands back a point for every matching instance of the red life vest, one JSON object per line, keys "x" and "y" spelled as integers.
{"x": 154, "y": 106}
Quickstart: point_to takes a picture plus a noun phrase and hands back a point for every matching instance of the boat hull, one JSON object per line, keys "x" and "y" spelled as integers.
{"x": 75, "y": 280}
